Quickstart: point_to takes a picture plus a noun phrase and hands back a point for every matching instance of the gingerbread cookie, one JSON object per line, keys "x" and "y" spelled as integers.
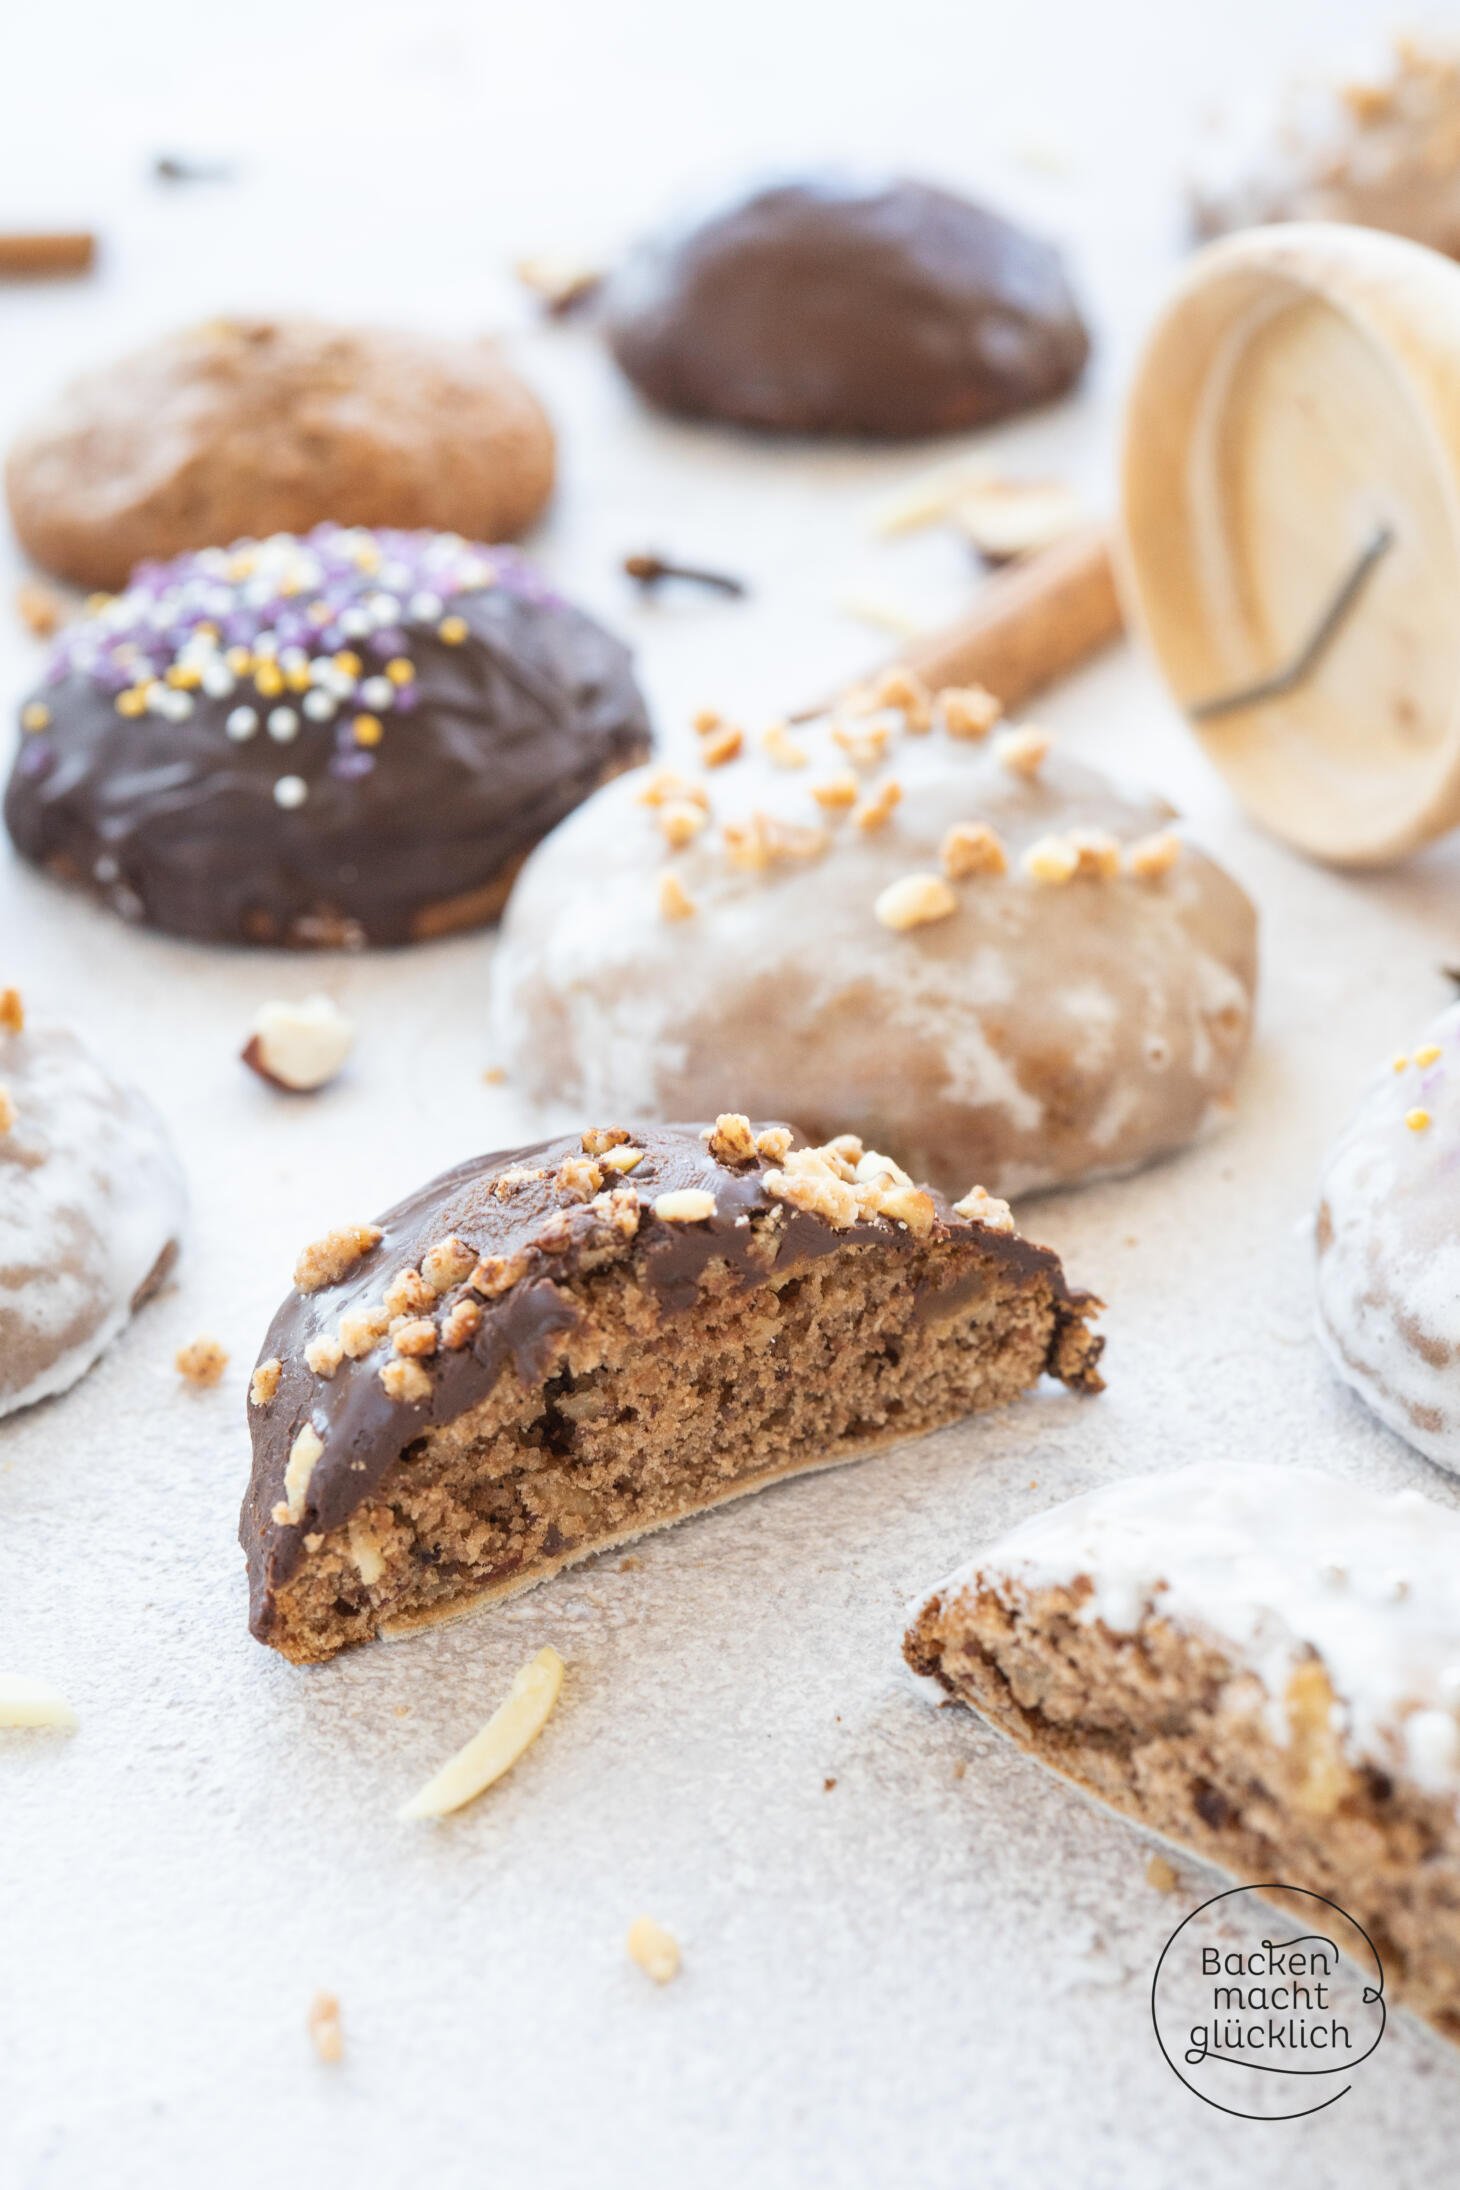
{"x": 946, "y": 936}
{"x": 242, "y": 428}
{"x": 837, "y": 304}
{"x": 348, "y": 738}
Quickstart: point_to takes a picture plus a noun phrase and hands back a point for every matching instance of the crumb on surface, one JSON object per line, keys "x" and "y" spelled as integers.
{"x": 12, "y": 1012}
{"x": 7, "y": 1110}
{"x": 325, "y": 2028}
{"x": 675, "y": 902}
{"x": 494, "y": 1076}
{"x": 405, "y": 1381}
{"x": 655, "y": 1950}
{"x": 201, "y": 1362}
{"x": 1150, "y": 857}
{"x": 914, "y": 901}
{"x": 685, "y": 1205}
{"x": 326, "y": 1261}
{"x": 264, "y": 1382}
{"x": 1161, "y": 1875}
{"x": 969, "y": 710}
{"x": 972, "y": 848}
{"x": 1022, "y": 752}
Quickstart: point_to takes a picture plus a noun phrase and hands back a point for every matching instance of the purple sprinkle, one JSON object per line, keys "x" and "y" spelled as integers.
{"x": 351, "y": 766}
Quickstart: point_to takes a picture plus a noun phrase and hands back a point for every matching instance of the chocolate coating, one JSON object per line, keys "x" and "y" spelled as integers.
{"x": 364, "y": 1431}
{"x": 221, "y": 753}
{"x": 837, "y": 304}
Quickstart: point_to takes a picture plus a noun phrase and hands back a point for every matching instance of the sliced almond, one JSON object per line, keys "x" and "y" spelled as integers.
{"x": 1005, "y": 519}
{"x": 513, "y": 1727}
{"x": 31, "y": 1703}
{"x": 654, "y": 1949}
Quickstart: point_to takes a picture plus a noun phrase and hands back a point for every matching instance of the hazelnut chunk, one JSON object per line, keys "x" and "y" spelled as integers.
{"x": 914, "y": 900}
{"x": 873, "y": 1166}
{"x": 405, "y": 1381}
{"x": 513, "y": 1180}
{"x": 415, "y": 1338}
{"x": 809, "y": 1183}
{"x": 447, "y": 1263}
{"x": 721, "y": 745}
{"x": 304, "y": 1455}
{"x": 864, "y": 743}
{"x": 460, "y": 1326}
{"x": 731, "y": 1140}
{"x": 1097, "y": 852}
{"x": 836, "y": 793}
{"x": 1052, "y": 860}
{"x": 907, "y": 1205}
{"x": 599, "y": 1139}
{"x": 775, "y": 1143}
{"x": 325, "y": 2029}
{"x": 985, "y": 1208}
{"x": 665, "y": 784}
{"x": 655, "y": 1950}
{"x": 622, "y": 1160}
{"x": 300, "y": 1046}
{"x": 685, "y": 1205}
{"x": 12, "y": 1012}
{"x": 362, "y": 1329}
{"x": 675, "y": 902}
{"x": 7, "y": 1110}
{"x": 1150, "y": 857}
{"x": 324, "y": 1354}
{"x": 265, "y": 1381}
{"x": 780, "y": 748}
{"x": 201, "y": 1362}
{"x": 969, "y": 710}
{"x": 905, "y": 690}
{"x": 1022, "y": 752}
{"x": 579, "y": 1177}
{"x": 555, "y": 1235}
{"x": 408, "y": 1294}
{"x": 496, "y": 1274}
{"x": 705, "y": 720}
{"x": 680, "y": 821}
{"x": 332, "y": 1258}
{"x": 875, "y": 811}
{"x": 621, "y": 1210}
{"x": 970, "y": 848}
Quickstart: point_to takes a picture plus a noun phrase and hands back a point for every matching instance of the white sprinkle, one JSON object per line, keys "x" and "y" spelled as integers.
{"x": 319, "y": 706}
{"x": 355, "y": 623}
{"x": 218, "y": 680}
{"x": 177, "y": 706}
{"x": 425, "y": 607}
{"x": 242, "y": 723}
{"x": 377, "y": 692}
{"x": 283, "y": 724}
{"x": 290, "y": 791}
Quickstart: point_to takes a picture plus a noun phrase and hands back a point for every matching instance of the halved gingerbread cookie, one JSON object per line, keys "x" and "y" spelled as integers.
{"x": 351, "y": 737}
{"x": 553, "y": 1350}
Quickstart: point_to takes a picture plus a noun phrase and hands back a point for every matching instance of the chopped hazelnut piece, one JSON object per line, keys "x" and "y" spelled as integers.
{"x": 555, "y": 1235}
{"x": 365, "y": 1550}
{"x": 810, "y": 1182}
{"x": 496, "y": 1274}
{"x": 907, "y": 1205}
{"x": 7, "y": 1110}
{"x": 622, "y": 1160}
{"x": 873, "y": 1166}
{"x": 330, "y": 1259}
{"x": 878, "y": 810}
{"x": 361, "y": 1329}
{"x": 780, "y": 748}
{"x": 775, "y": 1143}
{"x": 970, "y": 848}
{"x": 1097, "y": 852}
{"x": 12, "y": 1012}
{"x": 512, "y": 1728}
{"x": 706, "y": 719}
{"x": 666, "y": 784}
{"x": 721, "y": 745}
{"x": 680, "y": 821}
{"x": 201, "y": 1362}
{"x": 864, "y": 744}
{"x": 685, "y": 1205}
{"x": 304, "y": 1455}
{"x": 324, "y": 2026}
{"x": 621, "y": 1211}
{"x": 31, "y": 1703}
{"x": 300, "y": 1047}
{"x": 843, "y": 1154}
{"x": 520, "y": 1175}
{"x": 599, "y": 1139}
{"x": 1150, "y": 857}
{"x": 905, "y": 690}
{"x": 323, "y": 1355}
{"x": 405, "y": 1381}
{"x": 969, "y": 710}
{"x": 265, "y": 1381}
{"x": 1022, "y": 752}
{"x": 756, "y": 843}
{"x": 1006, "y": 519}
{"x": 1052, "y": 859}
{"x": 447, "y": 1263}
{"x": 675, "y": 902}
{"x": 985, "y": 1208}
{"x": 408, "y": 1294}
{"x": 914, "y": 900}
{"x": 460, "y": 1326}
{"x": 655, "y": 1950}
{"x": 837, "y": 792}
{"x": 415, "y": 1338}
{"x": 579, "y": 1177}
{"x": 731, "y": 1140}
{"x": 1161, "y": 1875}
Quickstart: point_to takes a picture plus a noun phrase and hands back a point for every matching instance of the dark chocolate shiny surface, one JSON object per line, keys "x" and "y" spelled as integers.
{"x": 840, "y": 304}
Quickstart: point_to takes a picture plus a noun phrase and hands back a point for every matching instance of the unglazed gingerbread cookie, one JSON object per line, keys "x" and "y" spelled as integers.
{"x": 944, "y": 935}
{"x": 1262, "y": 1663}
{"x": 91, "y": 1206}
{"x": 1388, "y": 1244}
{"x": 838, "y": 304}
{"x": 1380, "y": 151}
{"x": 348, "y": 738}
{"x": 555, "y": 1349}
{"x": 249, "y": 427}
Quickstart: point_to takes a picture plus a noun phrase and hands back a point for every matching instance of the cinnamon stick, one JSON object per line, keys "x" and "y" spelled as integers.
{"x": 56, "y": 252}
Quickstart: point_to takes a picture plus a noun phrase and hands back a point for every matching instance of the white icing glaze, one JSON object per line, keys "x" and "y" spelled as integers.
{"x": 1273, "y": 1563}
{"x": 1388, "y": 1241}
{"x": 90, "y": 1196}
{"x": 1041, "y": 1034}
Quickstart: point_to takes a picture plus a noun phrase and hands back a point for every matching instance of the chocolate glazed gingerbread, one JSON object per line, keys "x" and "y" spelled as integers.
{"x": 398, "y": 814}
{"x": 363, "y": 1431}
{"x": 836, "y": 304}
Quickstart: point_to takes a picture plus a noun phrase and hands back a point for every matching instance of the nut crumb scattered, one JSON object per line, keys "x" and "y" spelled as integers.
{"x": 40, "y": 608}
{"x": 447, "y": 1263}
{"x": 300, "y": 1047}
{"x": 985, "y": 1208}
{"x": 559, "y": 281}
{"x": 827, "y": 1786}
{"x": 201, "y": 1362}
{"x": 579, "y": 1177}
{"x": 303, "y": 1456}
{"x": 667, "y": 784}
{"x": 973, "y": 848}
{"x": 775, "y": 1143}
{"x": 599, "y": 1139}
{"x": 325, "y": 2029}
{"x": 405, "y": 1381}
{"x": 1052, "y": 860}
{"x": 780, "y": 748}
{"x": 326, "y": 1261}
{"x": 1161, "y": 1875}
{"x": 1022, "y": 752}
{"x": 361, "y": 1329}
{"x": 720, "y": 745}
{"x": 622, "y": 1160}
{"x": 323, "y": 1355}
{"x": 904, "y": 690}
{"x": 7, "y": 1110}
{"x": 655, "y": 1950}
{"x": 415, "y": 1338}
{"x": 914, "y": 900}
{"x": 685, "y": 1205}
{"x": 496, "y": 1274}
{"x": 12, "y": 1012}
{"x": 264, "y": 1382}
{"x": 837, "y": 792}
{"x": 730, "y": 1139}
{"x": 1150, "y": 857}
{"x": 969, "y": 710}
{"x": 494, "y": 1076}
{"x": 675, "y": 902}
{"x": 460, "y": 1326}
{"x": 874, "y": 812}
{"x": 680, "y": 821}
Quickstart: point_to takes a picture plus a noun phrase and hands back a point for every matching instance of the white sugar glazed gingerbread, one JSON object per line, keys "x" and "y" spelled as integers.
{"x": 902, "y": 920}
{"x": 1388, "y": 1241}
{"x": 91, "y": 1206}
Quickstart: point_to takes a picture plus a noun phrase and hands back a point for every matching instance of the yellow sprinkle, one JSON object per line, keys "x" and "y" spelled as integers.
{"x": 269, "y": 679}
{"x": 239, "y": 660}
{"x": 183, "y": 677}
{"x": 367, "y": 556}
{"x": 348, "y": 664}
{"x": 319, "y": 612}
{"x": 400, "y": 671}
{"x": 1416, "y": 1120}
{"x": 1401, "y": 1063}
{"x": 1429, "y": 1055}
{"x": 369, "y": 730}
{"x": 206, "y": 630}
{"x": 96, "y": 602}
{"x": 452, "y": 629}
{"x": 298, "y": 680}
{"x": 131, "y": 702}
{"x": 35, "y": 716}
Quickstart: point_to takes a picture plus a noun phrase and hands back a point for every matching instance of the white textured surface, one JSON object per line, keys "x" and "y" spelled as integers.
{"x": 910, "y": 1979}
{"x": 1271, "y": 1563}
